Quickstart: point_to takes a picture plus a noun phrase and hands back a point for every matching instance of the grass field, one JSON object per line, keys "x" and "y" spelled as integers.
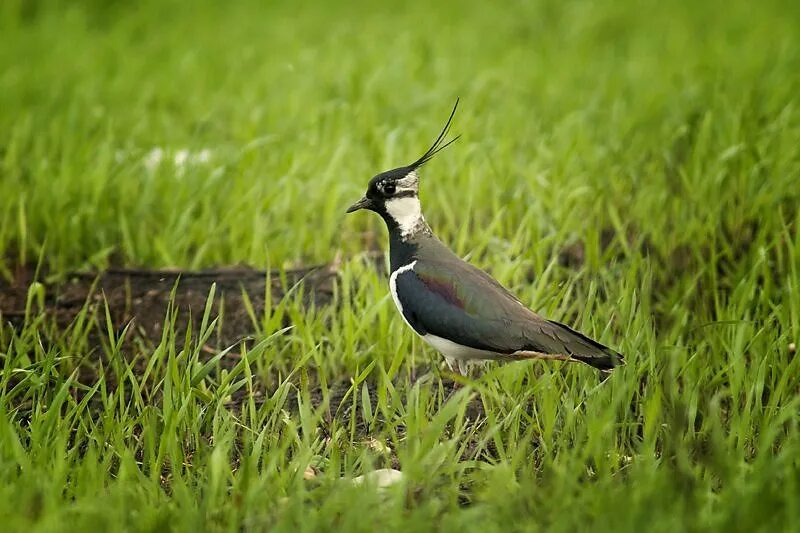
{"x": 630, "y": 168}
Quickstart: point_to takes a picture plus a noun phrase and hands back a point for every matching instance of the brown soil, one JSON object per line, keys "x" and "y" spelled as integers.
{"x": 140, "y": 297}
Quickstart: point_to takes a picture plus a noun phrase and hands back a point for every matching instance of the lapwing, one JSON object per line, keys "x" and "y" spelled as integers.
{"x": 457, "y": 308}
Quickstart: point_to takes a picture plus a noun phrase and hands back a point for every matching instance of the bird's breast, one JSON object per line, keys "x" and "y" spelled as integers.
{"x": 393, "y": 289}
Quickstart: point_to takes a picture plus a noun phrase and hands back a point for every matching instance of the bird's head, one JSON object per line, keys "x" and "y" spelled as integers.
{"x": 394, "y": 194}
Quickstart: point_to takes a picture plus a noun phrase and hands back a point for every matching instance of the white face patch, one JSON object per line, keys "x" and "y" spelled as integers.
{"x": 410, "y": 182}
{"x": 407, "y": 212}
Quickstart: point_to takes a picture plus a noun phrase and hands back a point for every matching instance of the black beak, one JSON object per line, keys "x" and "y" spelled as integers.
{"x": 364, "y": 203}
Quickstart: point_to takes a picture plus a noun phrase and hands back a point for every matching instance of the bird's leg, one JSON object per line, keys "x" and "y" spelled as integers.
{"x": 454, "y": 388}
{"x": 455, "y": 367}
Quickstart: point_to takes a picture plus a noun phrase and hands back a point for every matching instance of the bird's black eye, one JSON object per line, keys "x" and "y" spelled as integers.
{"x": 389, "y": 189}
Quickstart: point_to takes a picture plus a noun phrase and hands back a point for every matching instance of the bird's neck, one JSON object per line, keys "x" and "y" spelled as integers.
{"x": 406, "y": 226}
{"x": 405, "y": 215}
{"x": 401, "y": 251}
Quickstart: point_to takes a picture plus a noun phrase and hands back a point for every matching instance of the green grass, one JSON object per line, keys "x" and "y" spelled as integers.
{"x": 660, "y": 139}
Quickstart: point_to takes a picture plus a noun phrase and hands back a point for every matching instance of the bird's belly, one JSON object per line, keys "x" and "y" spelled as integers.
{"x": 458, "y": 352}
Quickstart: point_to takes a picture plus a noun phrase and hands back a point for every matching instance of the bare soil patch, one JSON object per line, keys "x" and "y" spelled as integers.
{"x": 140, "y": 297}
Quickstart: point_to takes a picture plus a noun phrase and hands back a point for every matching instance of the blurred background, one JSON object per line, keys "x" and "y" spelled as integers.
{"x": 170, "y": 134}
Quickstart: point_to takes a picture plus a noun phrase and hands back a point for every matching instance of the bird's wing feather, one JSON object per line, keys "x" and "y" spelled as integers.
{"x": 463, "y": 304}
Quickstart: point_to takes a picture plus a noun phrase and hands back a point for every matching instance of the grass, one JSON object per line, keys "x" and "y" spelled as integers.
{"x": 629, "y": 168}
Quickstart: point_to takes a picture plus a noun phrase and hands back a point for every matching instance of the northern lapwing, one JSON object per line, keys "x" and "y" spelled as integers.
{"x": 455, "y": 307}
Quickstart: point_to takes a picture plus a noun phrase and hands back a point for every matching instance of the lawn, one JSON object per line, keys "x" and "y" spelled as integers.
{"x": 628, "y": 168}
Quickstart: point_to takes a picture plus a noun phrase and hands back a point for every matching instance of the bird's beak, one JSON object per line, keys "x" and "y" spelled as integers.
{"x": 364, "y": 203}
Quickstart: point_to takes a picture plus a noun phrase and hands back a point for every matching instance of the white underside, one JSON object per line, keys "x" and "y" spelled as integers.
{"x": 457, "y": 352}
{"x": 459, "y": 358}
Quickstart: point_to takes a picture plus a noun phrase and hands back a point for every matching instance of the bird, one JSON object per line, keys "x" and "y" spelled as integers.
{"x": 457, "y": 308}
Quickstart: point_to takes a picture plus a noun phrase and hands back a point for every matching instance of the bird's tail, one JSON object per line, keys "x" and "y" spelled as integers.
{"x": 582, "y": 348}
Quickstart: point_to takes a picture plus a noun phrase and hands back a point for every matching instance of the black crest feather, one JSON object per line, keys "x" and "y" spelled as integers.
{"x": 437, "y": 145}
